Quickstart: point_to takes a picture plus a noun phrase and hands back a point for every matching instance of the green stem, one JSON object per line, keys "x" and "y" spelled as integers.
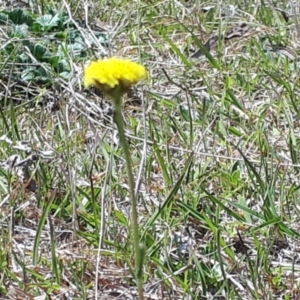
{"x": 118, "y": 118}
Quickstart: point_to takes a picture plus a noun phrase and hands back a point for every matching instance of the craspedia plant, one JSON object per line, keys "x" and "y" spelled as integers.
{"x": 114, "y": 76}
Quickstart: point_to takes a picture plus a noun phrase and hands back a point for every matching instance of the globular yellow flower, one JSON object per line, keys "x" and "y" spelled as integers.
{"x": 110, "y": 73}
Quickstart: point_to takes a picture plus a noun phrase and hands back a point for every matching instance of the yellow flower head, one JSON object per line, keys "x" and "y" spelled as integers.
{"x": 110, "y": 73}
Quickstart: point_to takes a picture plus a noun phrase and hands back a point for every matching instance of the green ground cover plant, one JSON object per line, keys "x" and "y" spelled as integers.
{"x": 213, "y": 136}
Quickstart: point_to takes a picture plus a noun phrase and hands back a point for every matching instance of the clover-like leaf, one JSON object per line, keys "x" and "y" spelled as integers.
{"x": 39, "y": 75}
{"x": 19, "y": 31}
{"x": 46, "y": 23}
{"x": 40, "y": 52}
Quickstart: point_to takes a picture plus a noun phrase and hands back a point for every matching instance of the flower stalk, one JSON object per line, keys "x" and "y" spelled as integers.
{"x": 118, "y": 119}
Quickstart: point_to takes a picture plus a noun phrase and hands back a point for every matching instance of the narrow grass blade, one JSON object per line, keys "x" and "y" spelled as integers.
{"x": 162, "y": 164}
{"x": 55, "y": 269}
{"x": 176, "y": 50}
{"x": 39, "y": 232}
{"x": 223, "y": 206}
{"x": 202, "y": 47}
{"x": 171, "y": 195}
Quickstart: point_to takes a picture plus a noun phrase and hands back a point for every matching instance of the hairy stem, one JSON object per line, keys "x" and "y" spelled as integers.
{"x": 118, "y": 119}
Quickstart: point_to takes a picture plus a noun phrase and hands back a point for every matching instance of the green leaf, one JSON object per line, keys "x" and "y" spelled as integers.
{"x": 3, "y": 18}
{"x": 20, "y": 16}
{"x": 40, "y": 52}
{"x": 36, "y": 75}
{"x": 46, "y": 22}
{"x": 19, "y": 31}
{"x": 65, "y": 75}
{"x": 24, "y": 58}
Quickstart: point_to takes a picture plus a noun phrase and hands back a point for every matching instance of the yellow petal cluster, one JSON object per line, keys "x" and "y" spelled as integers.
{"x": 110, "y": 73}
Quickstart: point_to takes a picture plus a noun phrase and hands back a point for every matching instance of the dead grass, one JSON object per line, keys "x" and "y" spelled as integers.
{"x": 215, "y": 151}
